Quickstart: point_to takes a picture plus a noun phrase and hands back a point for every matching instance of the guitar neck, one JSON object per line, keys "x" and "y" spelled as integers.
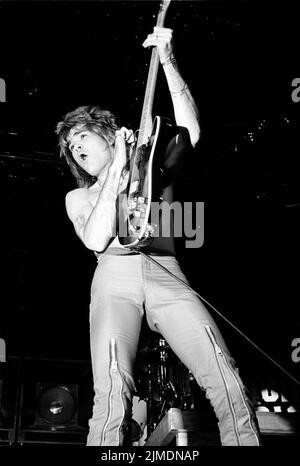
{"x": 146, "y": 119}
{"x": 145, "y": 127}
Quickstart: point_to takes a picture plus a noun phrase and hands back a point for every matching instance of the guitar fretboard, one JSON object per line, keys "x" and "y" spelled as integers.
{"x": 145, "y": 128}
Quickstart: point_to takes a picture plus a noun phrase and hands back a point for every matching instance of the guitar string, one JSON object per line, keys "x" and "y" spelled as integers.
{"x": 221, "y": 315}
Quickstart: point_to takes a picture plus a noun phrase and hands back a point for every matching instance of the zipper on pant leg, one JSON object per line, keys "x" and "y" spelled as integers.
{"x": 219, "y": 351}
{"x": 113, "y": 372}
{"x": 116, "y": 373}
{"x": 245, "y": 404}
{"x": 220, "y": 359}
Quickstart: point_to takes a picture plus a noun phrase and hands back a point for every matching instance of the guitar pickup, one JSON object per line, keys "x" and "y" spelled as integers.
{"x": 139, "y": 213}
{"x": 132, "y": 203}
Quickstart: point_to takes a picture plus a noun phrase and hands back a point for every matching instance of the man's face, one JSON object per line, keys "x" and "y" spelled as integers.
{"x": 92, "y": 152}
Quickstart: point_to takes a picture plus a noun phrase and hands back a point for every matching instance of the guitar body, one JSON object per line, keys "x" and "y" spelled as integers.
{"x": 145, "y": 186}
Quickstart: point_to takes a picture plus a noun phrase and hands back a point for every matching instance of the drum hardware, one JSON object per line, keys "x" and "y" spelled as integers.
{"x": 163, "y": 383}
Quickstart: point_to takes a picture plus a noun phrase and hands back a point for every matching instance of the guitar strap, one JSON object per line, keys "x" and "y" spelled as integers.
{"x": 151, "y": 259}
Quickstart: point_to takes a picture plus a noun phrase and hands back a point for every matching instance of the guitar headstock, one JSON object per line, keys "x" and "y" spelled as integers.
{"x": 163, "y": 8}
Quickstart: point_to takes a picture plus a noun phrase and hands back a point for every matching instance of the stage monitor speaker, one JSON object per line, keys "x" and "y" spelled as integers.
{"x": 56, "y": 402}
{"x": 56, "y": 405}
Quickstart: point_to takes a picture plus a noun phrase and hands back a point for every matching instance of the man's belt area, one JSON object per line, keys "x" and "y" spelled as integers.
{"x": 112, "y": 251}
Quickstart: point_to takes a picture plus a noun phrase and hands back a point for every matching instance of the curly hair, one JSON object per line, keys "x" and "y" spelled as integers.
{"x": 88, "y": 117}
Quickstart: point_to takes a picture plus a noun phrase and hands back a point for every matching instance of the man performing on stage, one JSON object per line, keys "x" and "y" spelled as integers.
{"x": 126, "y": 285}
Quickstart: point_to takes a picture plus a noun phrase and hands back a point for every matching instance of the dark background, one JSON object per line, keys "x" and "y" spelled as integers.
{"x": 239, "y": 59}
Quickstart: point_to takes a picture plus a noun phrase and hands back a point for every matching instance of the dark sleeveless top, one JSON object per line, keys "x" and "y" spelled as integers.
{"x": 171, "y": 211}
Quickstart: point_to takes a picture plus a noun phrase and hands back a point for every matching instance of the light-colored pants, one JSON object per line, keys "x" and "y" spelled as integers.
{"x": 123, "y": 288}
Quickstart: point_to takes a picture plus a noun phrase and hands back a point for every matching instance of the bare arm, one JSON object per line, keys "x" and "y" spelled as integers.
{"x": 185, "y": 109}
{"x": 96, "y": 225}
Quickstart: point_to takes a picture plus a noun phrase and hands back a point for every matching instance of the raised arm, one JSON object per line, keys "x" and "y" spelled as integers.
{"x": 185, "y": 109}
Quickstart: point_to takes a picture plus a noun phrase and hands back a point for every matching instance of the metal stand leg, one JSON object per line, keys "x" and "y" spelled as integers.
{"x": 182, "y": 438}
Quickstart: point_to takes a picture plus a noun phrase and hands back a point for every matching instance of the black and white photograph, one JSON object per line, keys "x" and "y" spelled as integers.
{"x": 150, "y": 234}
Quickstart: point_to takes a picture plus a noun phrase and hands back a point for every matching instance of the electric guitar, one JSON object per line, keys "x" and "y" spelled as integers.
{"x": 146, "y": 172}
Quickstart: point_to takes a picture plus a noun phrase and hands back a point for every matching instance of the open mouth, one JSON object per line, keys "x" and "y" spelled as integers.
{"x": 83, "y": 157}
